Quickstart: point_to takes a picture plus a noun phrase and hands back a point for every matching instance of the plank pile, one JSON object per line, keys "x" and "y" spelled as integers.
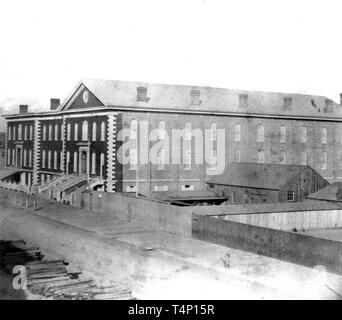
{"x": 50, "y": 278}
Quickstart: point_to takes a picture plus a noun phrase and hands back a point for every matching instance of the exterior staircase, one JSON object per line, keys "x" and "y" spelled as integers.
{"x": 8, "y": 171}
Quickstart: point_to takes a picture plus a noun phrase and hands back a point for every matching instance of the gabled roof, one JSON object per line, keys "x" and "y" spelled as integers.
{"x": 257, "y": 175}
{"x": 178, "y": 97}
{"x": 328, "y": 193}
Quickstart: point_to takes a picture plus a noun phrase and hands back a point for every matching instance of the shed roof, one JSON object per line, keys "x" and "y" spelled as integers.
{"x": 328, "y": 193}
{"x": 257, "y": 175}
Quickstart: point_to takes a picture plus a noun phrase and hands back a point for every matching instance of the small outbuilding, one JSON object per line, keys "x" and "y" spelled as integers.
{"x": 266, "y": 183}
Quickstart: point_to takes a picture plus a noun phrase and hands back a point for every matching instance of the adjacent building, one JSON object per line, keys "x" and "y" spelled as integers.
{"x": 77, "y": 142}
{"x": 266, "y": 183}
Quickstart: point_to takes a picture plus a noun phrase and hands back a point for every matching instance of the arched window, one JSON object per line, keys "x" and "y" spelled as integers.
{"x": 25, "y": 132}
{"x": 237, "y": 156}
{"x": 103, "y": 131}
{"x": 76, "y": 132}
{"x": 282, "y": 157}
{"x": 30, "y": 158}
{"x": 20, "y": 131}
{"x": 213, "y": 131}
{"x": 68, "y": 131}
{"x": 187, "y": 158}
{"x": 55, "y": 158}
{"x": 8, "y": 156}
{"x": 134, "y": 129}
{"x": 133, "y": 158}
{"x": 50, "y": 132}
{"x": 303, "y": 160}
{"x": 188, "y": 130}
{"x": 282, "y": 134}
{"x": 56, "y": 132}
{"x": 93, "y": 163}
{"x": 31, "y": 132}
{"x": 14, "y": 128}
{"x": 75, "y": 161}
{"x": 161, "y": 133}
{"x": 94, "y": 131}
{"x": 303, "y": 134}
{"x": 324, "y": 135}
{"x": 13, "y": 157}
{"x": 67, "y": 162}
{"x": 49, "y": 159}
{"x": 85, "y": 130}
{"x": 261, "y": 156}
{"x": 260, "y": 133}
{"x": 61, "y": 161}
{"x": 25, "y": 157}
{"x": 102, "y": 159}
{"x": 9, "y": 133}
{"x": 324, "y": 160}
{"x": 44, "y": 132}
{"x": 237, "y": 132}
{"x": 43, "y": 159}
{"x": 161, "y": 159}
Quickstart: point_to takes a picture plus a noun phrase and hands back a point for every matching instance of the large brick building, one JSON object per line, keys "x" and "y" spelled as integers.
{"x": 78, "y": 137}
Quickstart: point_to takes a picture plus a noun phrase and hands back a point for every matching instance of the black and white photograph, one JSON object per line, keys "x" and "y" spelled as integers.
{"x": 170, "y": 150}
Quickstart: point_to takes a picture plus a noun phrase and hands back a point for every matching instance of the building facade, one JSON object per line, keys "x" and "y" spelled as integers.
{"x": 81, "y": 135}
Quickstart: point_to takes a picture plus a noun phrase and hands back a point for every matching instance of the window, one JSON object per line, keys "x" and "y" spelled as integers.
{"x": 25, "y": 157}
{"x": 303, "y": 158}
{"x": 31, "y": 132}
{"x": 303, "y": 134}
{"x": 9, "y": 133}
{"x": 131, "y": 188}
{"x": 49, "y": 159}
{"x": 243, "y": 100}
{"x": 13, "y": 157}
{"x": 324, "y": 160}
{"x": 188, "y": 187}
{"x": 237, "y": 156}
{"x": 260, "y": 133}
{"x": 213, "y": 159}
{"x": 261, "y": 156}
{"x": 68, "y": 131}
{"x": 102, "y": 159}
{"x": 290, "y": 196}
{"x": 44, "y": 132}
{"x": 93, "y": 163}
{"x": 61, "y": 161}
{"x": 161, "y": 130}
{"x": 9, "y": 156}
{"x": 282, "y": 134}
{"x": 161, "y": 159}
{"x": 134, "y": 129}
{"x": 56, "y": 132}
{"x": 213, "y": 131}
{"x": 75, "y": 161}
{"x": 14, "y": 132}
{"x": 94, "y": 131}
{"x": 50, "y": 132}
{"x": 25, "y": 132}
{"x": 43, "y": 158}
{"x": 55, "y": 158}
{"x": 85, "y": 131}
{"x": 188, "y": 131}
{"x": 103, "y": 131}
{"x": 237, "y": 132}
{"x": 20, "y": 132}
{"x": 187, "y": 159}
{"x": 67, "y": 161}
{"x": 283, "y": 157}
{"x": 133, "y": 159}
{"x": 324, "y": 135}
{"x": 76, "y": 132}
{"x": 30, "y": 158}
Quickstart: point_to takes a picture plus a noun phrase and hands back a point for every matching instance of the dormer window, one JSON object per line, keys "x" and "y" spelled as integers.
{"x": 243, "y": 100}
{"x": 142, "y": 94}
{"x": 287, "y": 103}
{"x": 195, "y": 97}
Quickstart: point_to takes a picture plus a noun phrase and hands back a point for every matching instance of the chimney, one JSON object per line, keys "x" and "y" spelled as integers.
{"x": 243, "y": 100}
{"x": 142, "y": 94}
{"x": 329, "y": 106}
{"x": 54, "y": 103}
{"x": 23, "y": 108}
{"x": 287, "y": 103}
{"x": 195, "y": 97}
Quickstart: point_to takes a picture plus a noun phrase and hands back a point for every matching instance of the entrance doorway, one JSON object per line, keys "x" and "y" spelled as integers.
{"x": 83, "y": 169}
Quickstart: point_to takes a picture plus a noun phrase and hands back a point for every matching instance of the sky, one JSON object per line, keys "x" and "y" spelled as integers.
{"x": 269, "y": 45}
